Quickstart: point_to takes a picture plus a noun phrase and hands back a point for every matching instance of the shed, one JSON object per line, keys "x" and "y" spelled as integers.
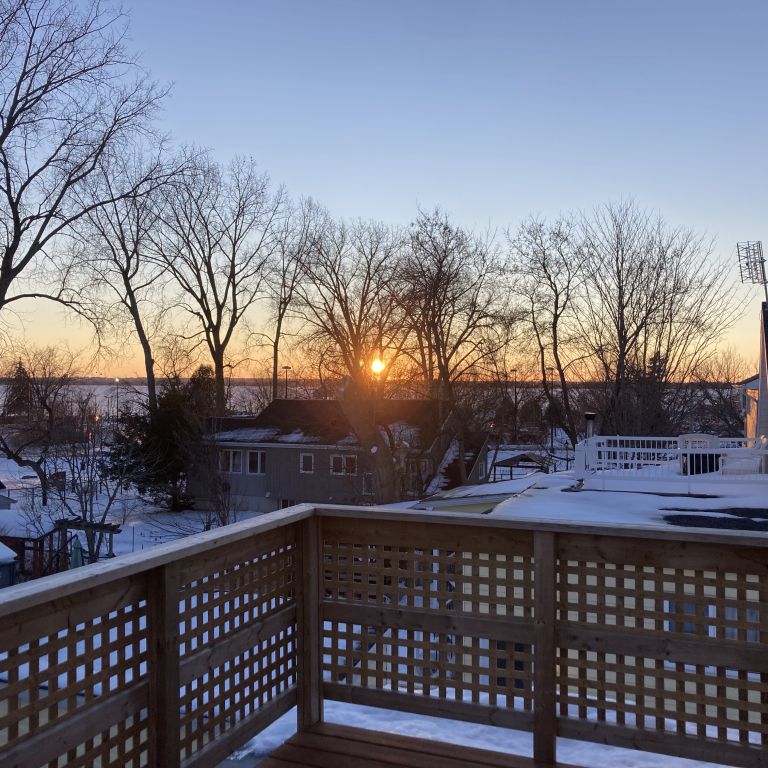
{"x": 524, "y": 460}
{"x": 7, "y": 566}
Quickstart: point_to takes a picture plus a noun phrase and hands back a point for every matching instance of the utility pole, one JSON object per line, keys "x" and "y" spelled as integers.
{"x": 551, "y": 372}
{"x": 286, "y": 368}
{"x": 514, "y": 387}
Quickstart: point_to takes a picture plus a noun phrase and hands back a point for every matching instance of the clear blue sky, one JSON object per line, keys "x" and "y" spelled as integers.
{"x": 492, "y": 109}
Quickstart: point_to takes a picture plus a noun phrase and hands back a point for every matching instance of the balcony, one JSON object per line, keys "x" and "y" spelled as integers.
{"x": 653, "y": 640}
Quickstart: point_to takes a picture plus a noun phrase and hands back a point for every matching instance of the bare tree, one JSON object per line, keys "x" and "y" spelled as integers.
{"x": 548, "y": 273}
{"x": 89, "y": 497}
{"x": 718, "y": 394}
{"x": 656, "y": 302}
{"x": 352, "y": 317}
{"x": 349, "y": 299}
{"x": 452, "y": 292}
{"x": 219, "y": 231}
{"x": 287, "y": 267}
{"x": 117, "y": 239}
{"x": 71, "y": 95}
{"x": 30, "y": 438}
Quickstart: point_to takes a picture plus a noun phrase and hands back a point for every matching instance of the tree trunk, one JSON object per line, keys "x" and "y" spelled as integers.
{"x": 358, "y": 410}
{"x": 276, "y": 359}
{"x": 221, "y": 389}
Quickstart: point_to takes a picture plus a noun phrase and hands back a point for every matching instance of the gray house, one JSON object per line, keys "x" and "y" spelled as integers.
{"x": 307, "y": 451}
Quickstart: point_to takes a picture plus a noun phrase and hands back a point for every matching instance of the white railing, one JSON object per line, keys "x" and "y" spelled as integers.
{"x": 686, "y": 456}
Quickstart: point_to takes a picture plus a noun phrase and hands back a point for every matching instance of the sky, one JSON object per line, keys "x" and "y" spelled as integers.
{"x": 493, "y": 110}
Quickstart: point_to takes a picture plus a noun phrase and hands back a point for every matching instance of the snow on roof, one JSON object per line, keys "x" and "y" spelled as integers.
{"x": 7, "y": 555}
{"x": 325, "y": 422}
{"x": 618, "y": 501}
{"x": 439, "y": 480}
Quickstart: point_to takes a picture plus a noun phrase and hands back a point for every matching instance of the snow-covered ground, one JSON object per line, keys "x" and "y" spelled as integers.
{"x": 143, "y": 525}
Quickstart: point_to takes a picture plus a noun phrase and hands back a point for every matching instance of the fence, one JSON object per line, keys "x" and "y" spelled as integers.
{"x": 654, "y": 639}
{"x": 670, "y": 458}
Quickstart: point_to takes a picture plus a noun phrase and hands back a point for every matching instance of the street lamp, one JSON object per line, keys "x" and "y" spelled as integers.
{"x": 117, "y": 401}
{"x": 551, "y": 373}
{"x": 286, "y": 368}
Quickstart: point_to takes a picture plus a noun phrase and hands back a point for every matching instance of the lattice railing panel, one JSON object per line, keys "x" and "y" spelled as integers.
{"x": 239, "y": 588}
{"x": 652, "y": 694}
{"x": 664, "y": 636}
{"x": 77, "y": 654}
{"x": 241, "y": 602}
{"x": 496, "y": 673}
{"x": 124, "y": 744}
{"x": 434, "y": 612}
{"x": 216, "y": 700}
{"x": 430, "y": 568}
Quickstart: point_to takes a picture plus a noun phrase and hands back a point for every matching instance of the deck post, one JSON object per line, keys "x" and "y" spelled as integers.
{"x": 310, "y": 678}
{"x": 545, "y": 719}
{"x": 163, "y": 666}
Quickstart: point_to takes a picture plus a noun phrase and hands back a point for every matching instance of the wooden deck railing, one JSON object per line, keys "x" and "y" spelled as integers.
{"x": 651, "y": 639}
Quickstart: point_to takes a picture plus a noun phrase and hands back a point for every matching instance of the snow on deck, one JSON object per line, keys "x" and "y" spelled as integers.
{"x": 466, "y": 734}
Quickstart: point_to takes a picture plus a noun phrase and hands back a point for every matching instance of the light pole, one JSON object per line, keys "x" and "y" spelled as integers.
{"x": 117, "y": 401}
{"x": 550, "y": 373}
{"x": 514, "y": 385}
{"x": 286, "y": 368}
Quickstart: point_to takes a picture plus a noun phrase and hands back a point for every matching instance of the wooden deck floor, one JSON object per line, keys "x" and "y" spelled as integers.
{"x": 338, "y": 746}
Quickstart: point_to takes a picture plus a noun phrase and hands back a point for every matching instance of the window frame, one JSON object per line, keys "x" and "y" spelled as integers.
{"x": 261, "y": 463}
{"x": 227, "y": 466}
{"x": 303, "y": 471}
{"x": 344, "y": 459}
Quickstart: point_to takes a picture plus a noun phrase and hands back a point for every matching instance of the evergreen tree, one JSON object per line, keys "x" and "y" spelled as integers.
{"x": 18, "y": 395}
{"x": 161, "y": 446}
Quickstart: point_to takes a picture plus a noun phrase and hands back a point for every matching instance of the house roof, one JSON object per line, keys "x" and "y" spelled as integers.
{"x": 323, "y": 422}
{"x": 523, "y": 457}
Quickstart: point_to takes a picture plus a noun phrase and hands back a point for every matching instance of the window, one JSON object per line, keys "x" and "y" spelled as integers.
{"x": 231, "y": 461}
{"x": 285, "y": 503}
{"x": 343, "y": 465}
{"x": 257, "y": 462}
{"x": 306, "y": 463}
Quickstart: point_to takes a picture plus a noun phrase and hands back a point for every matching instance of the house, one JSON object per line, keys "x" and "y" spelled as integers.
{"x": 755, "y": 389}
{"x": 749, "y": 389}
{"x": 309, "y": 451}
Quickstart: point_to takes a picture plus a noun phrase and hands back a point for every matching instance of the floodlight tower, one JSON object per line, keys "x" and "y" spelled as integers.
{"x": 752, "y": 263}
